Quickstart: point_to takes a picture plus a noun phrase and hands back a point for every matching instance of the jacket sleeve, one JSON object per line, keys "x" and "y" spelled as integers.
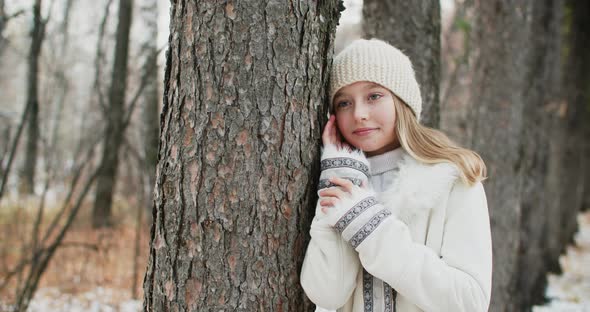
{"x": 331, "y": 265}
{"x": 459, "y": 280}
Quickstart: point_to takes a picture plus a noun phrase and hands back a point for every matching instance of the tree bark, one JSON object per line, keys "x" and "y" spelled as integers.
{"x": 577, "y": 116}
{"x": 105, "y": 184}
{"x": 27, "y": 182}
{"x": 414, "y": 28}
{"x": 542, "y": 90}
{"x": 238, "y": 158}
{"x": 500, "y": 40}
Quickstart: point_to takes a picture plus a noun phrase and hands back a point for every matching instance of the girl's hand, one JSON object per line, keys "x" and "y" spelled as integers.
{"x": 334, "y": 194}
{"x": 331, "y": 134}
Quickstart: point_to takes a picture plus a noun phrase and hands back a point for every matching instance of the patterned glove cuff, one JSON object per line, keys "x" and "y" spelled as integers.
{"x": 357, "y": 216}
{"x": 325, "y": 183}
{"x": 352, "y": 165}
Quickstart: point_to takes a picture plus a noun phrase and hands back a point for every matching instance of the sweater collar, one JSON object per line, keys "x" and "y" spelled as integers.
{"x": 386, "y": 161}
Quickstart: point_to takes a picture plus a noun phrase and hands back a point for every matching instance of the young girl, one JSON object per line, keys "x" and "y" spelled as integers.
{"x": 407, "y": 228}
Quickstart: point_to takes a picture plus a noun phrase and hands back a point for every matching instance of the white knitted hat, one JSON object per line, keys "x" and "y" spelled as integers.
{"x": 379, "y": 62}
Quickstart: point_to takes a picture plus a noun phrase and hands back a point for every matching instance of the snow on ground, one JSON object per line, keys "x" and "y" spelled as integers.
{"x": 570, "y": 292}
{"x": 98, "y": 300}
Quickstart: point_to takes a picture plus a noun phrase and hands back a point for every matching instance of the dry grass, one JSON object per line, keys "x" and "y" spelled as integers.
{"x": 89, "y": 258}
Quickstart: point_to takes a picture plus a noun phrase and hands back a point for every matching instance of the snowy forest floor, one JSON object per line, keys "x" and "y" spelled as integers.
{"x": 92, "y": 271}
{"x": 100, "y": 278}
{"x": 570, "y": 291}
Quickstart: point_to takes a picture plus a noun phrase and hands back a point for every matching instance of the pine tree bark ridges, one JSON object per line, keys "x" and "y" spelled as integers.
{"x": 239, "y": 146}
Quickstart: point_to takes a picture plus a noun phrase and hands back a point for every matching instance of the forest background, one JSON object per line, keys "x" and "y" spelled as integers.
{"x": 85, "y": 88}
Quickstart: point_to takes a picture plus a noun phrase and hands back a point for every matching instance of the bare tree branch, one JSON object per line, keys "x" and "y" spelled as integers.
{"x": 77, "y": 175}
{"x": 40, "y": 264}
{"x": 144, "y": 81}
{"x": 6, "y": 171}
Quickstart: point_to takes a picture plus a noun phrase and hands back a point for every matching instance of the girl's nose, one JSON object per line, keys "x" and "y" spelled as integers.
{"x": 361, "y": 112}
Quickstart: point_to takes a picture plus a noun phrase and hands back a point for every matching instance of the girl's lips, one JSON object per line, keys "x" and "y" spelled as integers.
{"x": 364, "y": 131}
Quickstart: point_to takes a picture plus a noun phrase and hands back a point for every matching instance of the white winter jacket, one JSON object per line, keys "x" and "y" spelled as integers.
{"x": 422, "y": 243}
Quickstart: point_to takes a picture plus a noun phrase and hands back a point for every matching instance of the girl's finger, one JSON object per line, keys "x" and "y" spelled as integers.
{"x": 347, "y": 185}
{"x": 327, "y": 202}
{"x": 332, "y": 192}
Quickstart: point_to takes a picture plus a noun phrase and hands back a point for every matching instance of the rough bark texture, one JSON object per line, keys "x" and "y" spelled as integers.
{"x": 37, "y": 35}
{"x": 105, "y": 184}
{"x": 497, "y": 121}
{"x": 239, "y": 147}
{"x": 413, "y": 27}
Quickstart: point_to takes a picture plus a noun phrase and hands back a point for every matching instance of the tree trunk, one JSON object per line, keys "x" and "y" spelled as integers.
{"x": 577, "y": 116}
{"x": 413, "y": 27}
{"x": 27, "y": 182}
{"x": 238, "y": 157}
{"x": 61, "y": 84}
{"x": 2, "y": 26}
{"x": 500, "y": 69}
{"x": 456, "y": 74}
{"x": 105, "y": 184}
{"x": 151, "y": 101}
{"x": 569, "y": 163}
{"x": 542, "y": 90}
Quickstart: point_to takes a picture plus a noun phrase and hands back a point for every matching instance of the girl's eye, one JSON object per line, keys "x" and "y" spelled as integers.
{"x": 375, "y": 96}
{"x": 342, "y": 104}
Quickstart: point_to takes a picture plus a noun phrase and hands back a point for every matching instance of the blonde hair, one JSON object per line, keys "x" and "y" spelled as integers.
{"x": 432, "y": 146}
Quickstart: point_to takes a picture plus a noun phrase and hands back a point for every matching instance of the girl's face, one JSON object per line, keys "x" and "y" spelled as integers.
{"x": 366, "y": 118}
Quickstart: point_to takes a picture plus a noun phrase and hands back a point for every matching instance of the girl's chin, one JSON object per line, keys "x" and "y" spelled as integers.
{"x": 366, "y": 149}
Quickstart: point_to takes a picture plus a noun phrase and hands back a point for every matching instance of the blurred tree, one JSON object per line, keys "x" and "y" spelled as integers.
{"x": 243, "y": 105}
{"x": 151, "y": 99}
{"x": 501, "y": 40}
{"x": 526, "y": 123}
{"x": 457, "y": 59}
{"x": 2, "y": 25}
{"x": 573, "y": 142}
{"x": 27, "y": 181}
{"x": 61, "y": 85}
{"x": 542, "y": 84}
{"x": 150, "y": 128}
{"x": 115, "y": 114}
{"x": 413, "y": 27}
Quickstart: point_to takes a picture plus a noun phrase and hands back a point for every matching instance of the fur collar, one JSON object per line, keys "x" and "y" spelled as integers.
{"x": 419, "y": 187}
